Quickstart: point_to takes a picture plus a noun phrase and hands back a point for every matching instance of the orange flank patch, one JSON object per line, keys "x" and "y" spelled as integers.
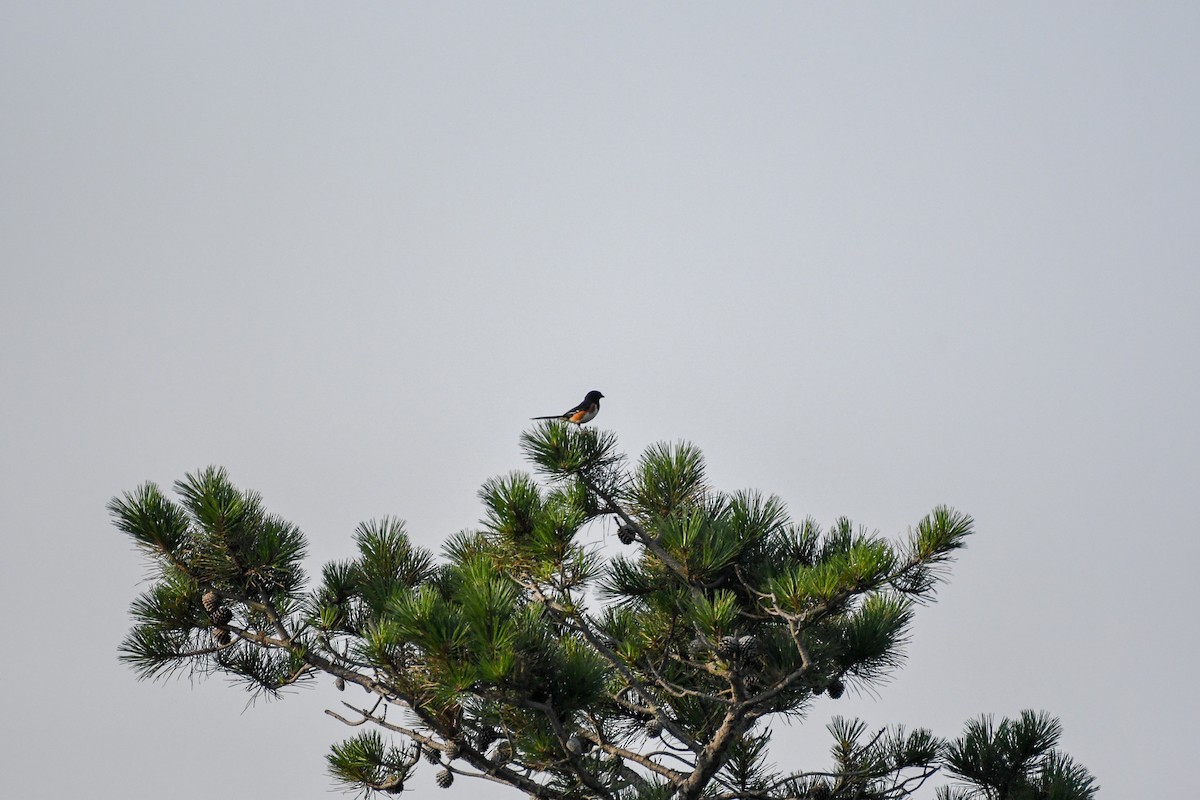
{"x": 582, "y": 415}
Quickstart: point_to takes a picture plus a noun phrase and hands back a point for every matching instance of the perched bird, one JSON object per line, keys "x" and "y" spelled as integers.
{"x": 581, "y": 413}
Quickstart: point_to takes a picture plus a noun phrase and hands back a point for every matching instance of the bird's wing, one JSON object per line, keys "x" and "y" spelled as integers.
{"x": 584, "y": 406}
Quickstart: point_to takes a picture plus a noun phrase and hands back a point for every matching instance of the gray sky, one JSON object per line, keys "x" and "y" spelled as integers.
{"x": 870, "y": 258}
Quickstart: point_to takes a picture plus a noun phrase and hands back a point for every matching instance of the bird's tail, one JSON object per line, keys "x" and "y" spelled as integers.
{"x": 556, "y": 416}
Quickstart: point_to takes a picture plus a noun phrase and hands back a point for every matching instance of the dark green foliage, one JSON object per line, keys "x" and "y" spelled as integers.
{"x": 234, "y": 542}
{"x": 748, "y": 768}
{"x": 560, "y": 452}
{"x": 261, "y": 670}
{"x": 874, "y": 634}
{"x": 1016, "y": 759}
{"x": 669, "y": 479}
{"x": 886, "y": 763}
{"x": 168, "y": 627}
{"x": 219, "y": 543}
{"x": 155, "y": 524}
{"x": 514, "y": 505}
{"x": 387, "y": 562}
{"x": 1058, "y": 777}
{"x": 930, "y": 548}
{"x": 367, "y": 761}
{"x": 527, "y": 654}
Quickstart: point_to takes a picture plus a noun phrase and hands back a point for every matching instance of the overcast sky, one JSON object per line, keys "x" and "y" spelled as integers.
{"x": 871, "y": 258}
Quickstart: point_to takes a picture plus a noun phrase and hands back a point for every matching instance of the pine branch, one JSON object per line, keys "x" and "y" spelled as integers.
{"x": 727, "y": 614}
{"x": 579, "y": 624}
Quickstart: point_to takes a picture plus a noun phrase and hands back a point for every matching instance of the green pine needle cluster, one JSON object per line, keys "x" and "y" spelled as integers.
{"x": 529, "y": 654}
{"x": 1016, "y": 759}
{"x": 215, "y": 539}
{"x": 368, "y": 762}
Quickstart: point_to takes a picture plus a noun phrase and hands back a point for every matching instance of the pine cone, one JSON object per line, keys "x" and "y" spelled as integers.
{"x": 653, "y": 728}
{"x": 340, "y": 684}
{"x": 502, "y": 754}
{"x": 431, "y": 755}
{"x": 820, "y": 791}
{"x": 818, "y": 690}
{"x": 392, "y": 784}
{"x": 727, "y": 647}
{"x": 451, "y": 751}
{"x": 836, "y": 688}
{"x": 221, "y": 616}
{"x": 222, "y": 636}
{"x": 445, "y": 778}
{"x": 211, "y": 601}
{"x": 484, "y": 738}
{"x": 749, "y": 647}
{"x": 626, "y": 534}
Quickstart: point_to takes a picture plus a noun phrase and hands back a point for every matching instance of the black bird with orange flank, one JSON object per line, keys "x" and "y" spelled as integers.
{"x": 581, "y": 413}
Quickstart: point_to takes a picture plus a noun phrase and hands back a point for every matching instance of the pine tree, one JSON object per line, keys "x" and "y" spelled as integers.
{"x": 566, "y": 672}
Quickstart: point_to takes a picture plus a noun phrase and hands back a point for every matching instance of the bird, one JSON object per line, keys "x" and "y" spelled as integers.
{"x": 581, "y": 413}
